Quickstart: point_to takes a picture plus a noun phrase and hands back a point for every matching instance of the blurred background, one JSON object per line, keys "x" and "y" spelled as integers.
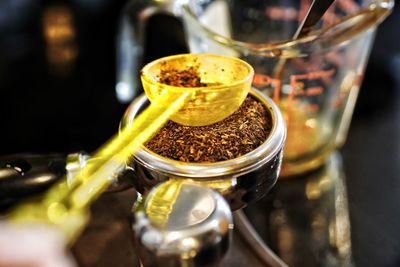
{"x": 57, "y": 75}
{"x": 58, "y": 94}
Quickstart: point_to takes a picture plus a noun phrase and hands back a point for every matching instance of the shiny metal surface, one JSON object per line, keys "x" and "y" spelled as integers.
{"x": 241, "y": 180}
{"x": 120, "y": 180}
{"x": 195, "y": 231}
{"x": 314, "y": 14}
{"x": 193, "y": 206}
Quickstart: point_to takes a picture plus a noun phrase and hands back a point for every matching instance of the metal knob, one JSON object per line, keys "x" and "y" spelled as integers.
{"x": 182, "y": 224}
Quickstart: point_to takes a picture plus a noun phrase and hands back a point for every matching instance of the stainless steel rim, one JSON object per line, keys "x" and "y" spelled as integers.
{"x": 241, "y": 165}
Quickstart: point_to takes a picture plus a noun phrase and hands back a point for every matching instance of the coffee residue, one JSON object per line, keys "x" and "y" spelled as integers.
{"x": 188, "y": 77}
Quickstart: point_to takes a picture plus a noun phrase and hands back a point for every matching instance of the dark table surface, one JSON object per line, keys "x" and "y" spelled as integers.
{"x": 68, "y": 104}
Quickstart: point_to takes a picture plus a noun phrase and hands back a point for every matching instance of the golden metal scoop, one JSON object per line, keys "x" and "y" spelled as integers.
{"x": 66, "y": 205}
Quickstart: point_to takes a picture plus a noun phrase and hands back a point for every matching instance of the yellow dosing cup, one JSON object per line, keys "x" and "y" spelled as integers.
{"x": 228, "y": 81}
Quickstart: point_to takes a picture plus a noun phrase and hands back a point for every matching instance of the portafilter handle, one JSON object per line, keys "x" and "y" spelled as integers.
{"x": 180, "y": 223}
{"x": 24, "y": 175}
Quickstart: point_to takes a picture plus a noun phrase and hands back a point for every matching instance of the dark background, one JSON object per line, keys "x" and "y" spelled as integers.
{"x": 68, "y": 104}
{"x": 372, "y": 154}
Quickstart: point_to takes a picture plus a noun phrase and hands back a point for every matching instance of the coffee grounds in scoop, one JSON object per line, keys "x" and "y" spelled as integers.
{"x": 240, "y": 133}
{"x": 188, "y": 77}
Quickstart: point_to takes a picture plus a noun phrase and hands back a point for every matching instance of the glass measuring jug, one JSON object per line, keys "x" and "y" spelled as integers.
{"x": 314, "y": 80}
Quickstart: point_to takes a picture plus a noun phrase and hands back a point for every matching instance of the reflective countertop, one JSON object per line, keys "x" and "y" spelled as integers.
{"x": 57, "y": 86}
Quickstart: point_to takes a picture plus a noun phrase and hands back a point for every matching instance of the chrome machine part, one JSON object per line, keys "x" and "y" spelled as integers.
{"x": 181, "y": 223}
{"x": 121, "y": 179}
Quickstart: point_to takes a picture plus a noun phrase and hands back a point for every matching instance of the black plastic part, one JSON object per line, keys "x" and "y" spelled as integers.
{"x": 24, "y": 175}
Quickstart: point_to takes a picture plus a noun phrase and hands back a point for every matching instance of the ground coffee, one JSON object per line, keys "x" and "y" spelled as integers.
{"x": 232, "y": 137}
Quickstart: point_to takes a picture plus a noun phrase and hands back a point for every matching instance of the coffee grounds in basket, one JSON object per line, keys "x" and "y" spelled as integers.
{"x": 240, "y": 133}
